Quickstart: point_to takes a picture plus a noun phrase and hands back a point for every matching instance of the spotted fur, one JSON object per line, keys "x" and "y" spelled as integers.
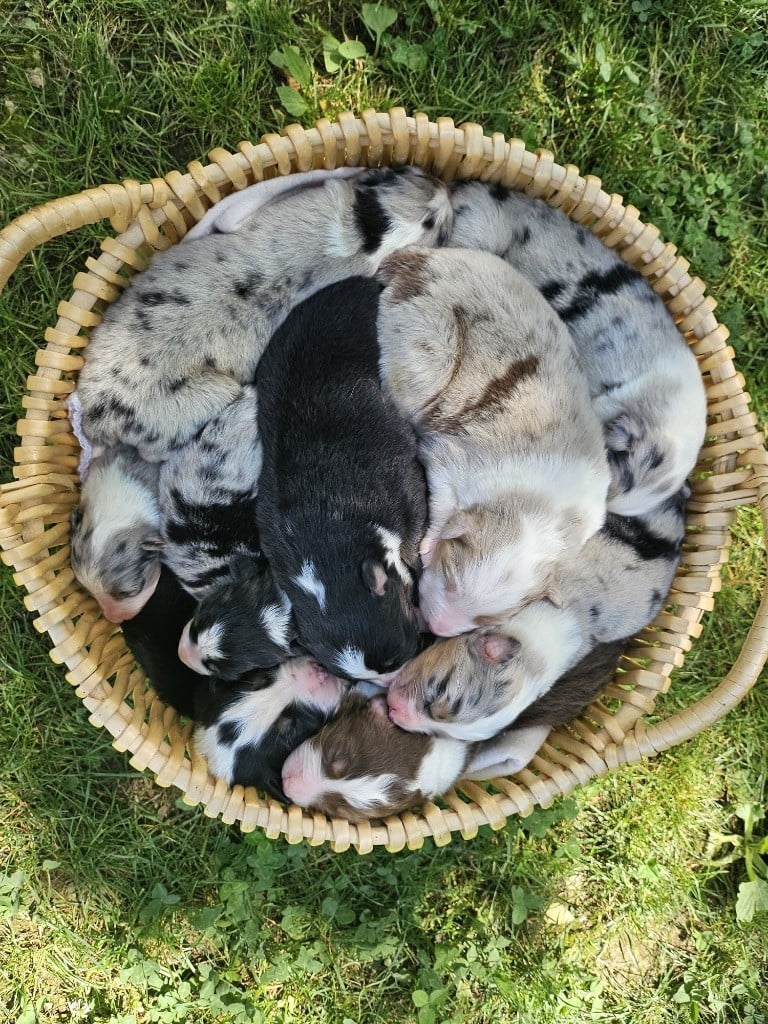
{"x": 487, "y": 374}
{"x": 115, "y": 532}
{"x": 473, "y": 686}
{"x": 175, "y": 348}
{"x": 643, "y": 378}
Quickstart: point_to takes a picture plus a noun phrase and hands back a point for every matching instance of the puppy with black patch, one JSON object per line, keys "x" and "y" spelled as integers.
{"x": 244, "y": 624}
{"x": 644, "y": 379}
{"x": 487, "y": 374}
{"x": 207, "y": 496}
{"x": 473, "y": 686}
{"x": 342, "y": 499}
{"x": 174, "y": 349}
{"x": 247, "y": 729}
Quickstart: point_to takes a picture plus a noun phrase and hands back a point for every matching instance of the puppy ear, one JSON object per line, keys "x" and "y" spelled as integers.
{"x": 622, "y": 432}
{"x": 377, "y": 707}
{"x": 496, "y": 648}
{"x": 456, "y": 526}
{"x": 374, "y": 576}
{"x": 153, "y": 542}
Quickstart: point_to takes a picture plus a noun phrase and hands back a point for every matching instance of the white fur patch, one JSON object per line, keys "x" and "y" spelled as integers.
{"x": 351, "y": 662}
{"x": 208, "y": 641}
{"x": 308, "y": 581}
{"x": 392, "y": 558}
{"x": 441, "y": 766}
{"x": 276, "y": 620}
{"x": 305, "y": 783}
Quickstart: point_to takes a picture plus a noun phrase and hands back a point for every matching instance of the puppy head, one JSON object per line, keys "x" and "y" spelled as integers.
{"x": 467, "y": 687}
{"x": 243, "y": 625}
{"x": 115, "y": 535}
{"x": 360, "y": 765}
{"x": 396, "y": 207}
{"x": 252, "y": 728}
{"x": 353, "y": 606}
{"x": 485, "y": 564}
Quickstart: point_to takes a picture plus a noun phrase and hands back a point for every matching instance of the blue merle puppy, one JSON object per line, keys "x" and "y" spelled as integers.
{"x": 643, "y": 378}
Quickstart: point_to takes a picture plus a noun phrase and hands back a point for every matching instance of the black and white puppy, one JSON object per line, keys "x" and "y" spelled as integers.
{"x": 342, "y": 495}
{"x": 246, "y": 729}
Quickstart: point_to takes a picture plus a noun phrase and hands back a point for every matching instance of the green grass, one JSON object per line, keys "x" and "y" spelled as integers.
{"x": 119, "y": 905}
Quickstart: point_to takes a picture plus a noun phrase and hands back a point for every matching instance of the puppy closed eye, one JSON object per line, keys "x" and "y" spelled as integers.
{"x": 338, "y": 766}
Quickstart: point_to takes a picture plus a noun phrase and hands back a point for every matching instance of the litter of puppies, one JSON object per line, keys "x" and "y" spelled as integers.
{"x": 364, "y": 426}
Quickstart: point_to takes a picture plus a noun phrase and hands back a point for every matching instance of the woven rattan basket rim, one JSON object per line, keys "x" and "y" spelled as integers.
{"x": 35, "y": 508}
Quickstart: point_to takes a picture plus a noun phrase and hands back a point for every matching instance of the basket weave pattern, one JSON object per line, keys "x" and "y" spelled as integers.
{"x": 35, "y": 508}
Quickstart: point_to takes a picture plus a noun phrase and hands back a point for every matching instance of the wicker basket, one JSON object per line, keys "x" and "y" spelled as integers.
{"x": 35, "y": 508}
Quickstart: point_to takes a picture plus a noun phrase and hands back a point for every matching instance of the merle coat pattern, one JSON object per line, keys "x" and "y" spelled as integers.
{"x": 473, "y": 686}
{"x": 207, "y": 496}
{"x": 342, "y": 502}
{"x": 188, "y": 331}
{"x": 644, "y": 380}
{"x": 116, "y": 532}
{"x": 488, "y": 376}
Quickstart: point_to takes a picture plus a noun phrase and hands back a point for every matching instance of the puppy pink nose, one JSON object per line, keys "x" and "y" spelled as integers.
{"x": 400, "y": 711}
{"x": 444, "y": 625}
{"x": 117, "y": 611}
{"x": 190, "y": 655}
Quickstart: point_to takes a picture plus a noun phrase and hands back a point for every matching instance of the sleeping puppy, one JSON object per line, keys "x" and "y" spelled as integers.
{"x": 643, "y": 378}
{"x": 513, "y": 748}
{"x": 488, "y": 376}
{"x": 207, "y": 496}
{"x": 242, "y": 625}
{"x": 473, "y": 686}
{"x": 116, "y": 532}
{"x": 342, "y": 502}
{"x": 360, "y": 765}
{"x": 244, "y": 729}
{"x": 188, "y": 331}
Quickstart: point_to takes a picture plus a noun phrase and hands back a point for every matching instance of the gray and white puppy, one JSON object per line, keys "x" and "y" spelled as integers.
{"x": 643, "y": 378}
{"x": 174, "y": 349}
{"x": 207, "y": 496}
{"x": 488, "y": 375}
{"x": 473, "y": 686}
{"x": 116, "y": 532}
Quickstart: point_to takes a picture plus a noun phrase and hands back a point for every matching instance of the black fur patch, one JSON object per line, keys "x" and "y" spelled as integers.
{"x": 371, "y": 219}
{"x": 551, "y": 289}
{"x": 498, "y": 192}
{"x": 595, "y": 284}
{"x": 632, "y": 531}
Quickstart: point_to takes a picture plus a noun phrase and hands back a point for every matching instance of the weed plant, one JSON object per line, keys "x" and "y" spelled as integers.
{"x": 623, "y": 903}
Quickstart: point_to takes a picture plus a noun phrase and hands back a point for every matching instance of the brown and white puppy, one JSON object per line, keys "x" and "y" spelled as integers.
{"x": 473, "y": 686}
{"x": 175, "y": 348}
{"x": 361, "y": 766}
{"x": 643, "y": 378}
{"x": 487, "y": 374}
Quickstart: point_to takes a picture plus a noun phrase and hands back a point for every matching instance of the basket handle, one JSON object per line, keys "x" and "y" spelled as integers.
{"x": 120, "y": 203}
{"x": 647, "y": 740}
